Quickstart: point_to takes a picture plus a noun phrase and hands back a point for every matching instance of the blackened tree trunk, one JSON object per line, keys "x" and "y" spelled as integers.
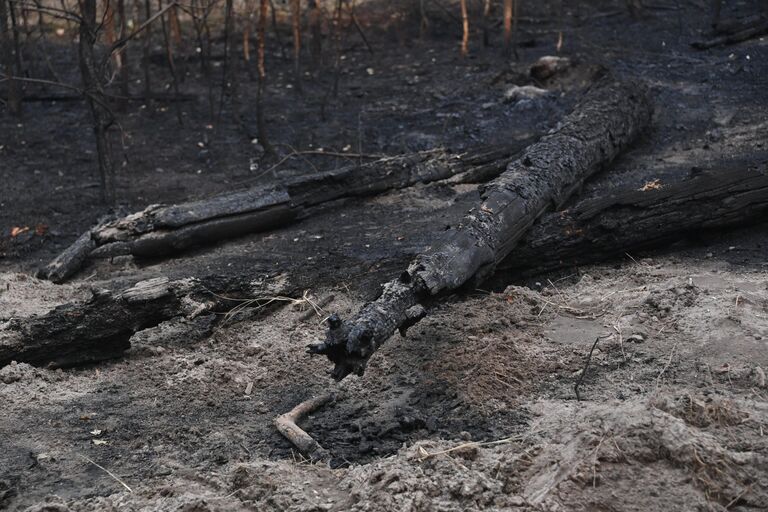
{"x": 296, "y": 25}
{"x": 6, "y": 52}
{"x": 94, "y": 93}
{"x": 260, "y": 126}
{"x": 607, "y": 120}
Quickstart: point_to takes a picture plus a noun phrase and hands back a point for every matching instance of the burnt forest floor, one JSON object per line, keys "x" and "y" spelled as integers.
{"x": 674, "y": 409}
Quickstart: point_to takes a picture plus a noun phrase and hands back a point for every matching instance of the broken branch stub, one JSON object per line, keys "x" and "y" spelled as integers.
{"x": 607, "y": 119}
{"x": 287, "y": 425}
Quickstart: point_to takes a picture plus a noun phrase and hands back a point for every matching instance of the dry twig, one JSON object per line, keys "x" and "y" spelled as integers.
{"x": 108, "y": 472}
{"x": 286, "y": 425}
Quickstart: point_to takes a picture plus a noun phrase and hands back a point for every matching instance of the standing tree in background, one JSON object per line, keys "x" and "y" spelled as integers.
{"x": 296, "y": 24}
{"x": 507, "y": 25}
{"x": 121, "y": 56}
{"x": 510, "y": 27}
{"x": 93, "y": 90}
{"x": 260, "y": 51}
{"x": 487, "y": 11}
{"x": 464, "y": 29}
{"x": 6, "y": 52}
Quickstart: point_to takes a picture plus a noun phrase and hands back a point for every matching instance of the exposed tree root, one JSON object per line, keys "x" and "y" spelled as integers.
{"x": 286, "y": 424}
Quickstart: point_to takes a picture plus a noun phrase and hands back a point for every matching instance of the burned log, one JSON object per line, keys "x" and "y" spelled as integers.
{"x": 735, "y": 31}
{"x": 161, "y": 230}
{"x": 590, "y": 230}
{"x": 605, "y": 122}
{"x": 101, "y": 327}
{"x": 67, "y": 263}
{"x": 601, "y": 227}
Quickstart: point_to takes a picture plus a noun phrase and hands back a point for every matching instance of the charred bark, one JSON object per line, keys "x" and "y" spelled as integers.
{"x": 605, "y": 122}
{"x": 101, "y": 327}
{"x": 68, "y": 262}
{"x": 160, "y": 230}
{"x": 590, "y": 230}
{"x": 598, "y": 228}
{"x": 6, "y": 53}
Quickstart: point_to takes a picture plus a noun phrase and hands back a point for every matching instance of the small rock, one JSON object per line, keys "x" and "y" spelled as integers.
{"x": 524, "y": 92}
{"x": 516, "y": 501}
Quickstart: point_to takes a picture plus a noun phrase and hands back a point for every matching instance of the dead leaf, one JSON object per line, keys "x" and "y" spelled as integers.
{"x": 16, "y": 231}
{"x": 651, "y": 185}
{"x": 99, "y": 442}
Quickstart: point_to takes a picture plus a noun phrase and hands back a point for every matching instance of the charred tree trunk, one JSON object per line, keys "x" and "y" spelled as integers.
{"x": 169, "y": 55}
{"x": 260, "y": 126}
{"x": 121, "y": 57}
{"x": 101, "y": 327}
{"x": 601, "y": 227}
{"x": 94, "y": 93}
{"x": 315, "y": 28}
{"x": 605, "y": 122}
{"x": 592, "y": 229}
{"x": 507, "y": 26}
{"x": 146, "y": 39}
{"x": 487, "y": 11}
{"x": 6, "y": 52}
{"x": 464, "y": 29}
{"x": 162, "y": 230}
{"x": 296, "y": 26}
{"x": 229, "y": 32}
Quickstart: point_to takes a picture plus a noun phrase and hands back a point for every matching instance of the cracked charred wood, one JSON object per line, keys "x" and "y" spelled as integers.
{"x": 606, "y": 121}
{"x": 403, "y": 171}
{"x": 159, "y": 217}
{"x": 101, "y": 327}
{"x": 161, "y": 230}
{"x": 163, "y": 241}
{"x": 602, "y": 227}
{"x": 68, "y": 262}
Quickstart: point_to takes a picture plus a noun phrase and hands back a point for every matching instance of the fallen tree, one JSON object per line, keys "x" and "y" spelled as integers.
{"x": 598, "y": 228}
{"x": 592, "y": 229}
{"x": 101, "y": 327}
{"x": 160, "y": 230}
{"x": 608, "y": 118}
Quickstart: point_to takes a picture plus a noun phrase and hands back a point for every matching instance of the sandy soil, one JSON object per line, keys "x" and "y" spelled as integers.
{"x": 474, "y": 410}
